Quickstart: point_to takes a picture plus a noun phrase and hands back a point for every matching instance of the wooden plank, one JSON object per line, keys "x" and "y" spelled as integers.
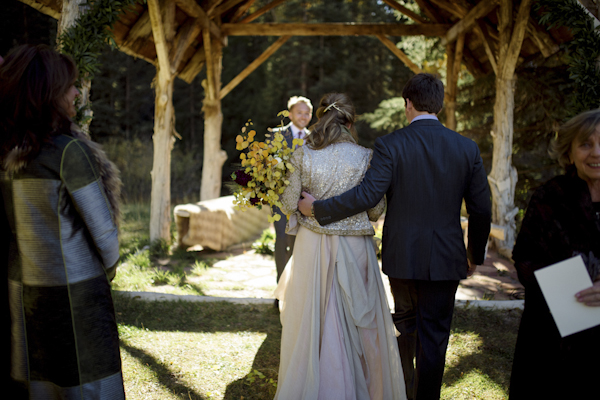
{"x": 160, "y": 41}
{"x": 403, "y": 10}
{"x": 253, "y": 65}
{"x": 186, "y": 35}
{"x": 261, "y": 11}
{"x": 333, "y": 29}
{"x": 400, "y": 54}
{"x": 482, "y": 9}
{"x": 193, "y": 9}
{"x": 488, "y": 44}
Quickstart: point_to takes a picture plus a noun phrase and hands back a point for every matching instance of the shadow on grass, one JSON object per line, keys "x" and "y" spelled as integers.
{"x": 497, "y": 334}
{"x": 213, "y": 317}
{"x": 489, "y": 338}
{"x": 165, "y": 376}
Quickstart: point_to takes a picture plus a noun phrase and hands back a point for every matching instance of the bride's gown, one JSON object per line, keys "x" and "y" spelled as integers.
{"x": 338, "y": 338}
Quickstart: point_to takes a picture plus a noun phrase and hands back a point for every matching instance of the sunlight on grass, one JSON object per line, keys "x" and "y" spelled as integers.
{"x": 474, "y": 385}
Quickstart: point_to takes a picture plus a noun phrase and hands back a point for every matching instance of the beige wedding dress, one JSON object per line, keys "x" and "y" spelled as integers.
{"x": 338, "y": 340}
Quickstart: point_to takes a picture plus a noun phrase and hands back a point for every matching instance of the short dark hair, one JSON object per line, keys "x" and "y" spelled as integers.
{"x": 426, "y": 93}
{"x": 33, "y": 83}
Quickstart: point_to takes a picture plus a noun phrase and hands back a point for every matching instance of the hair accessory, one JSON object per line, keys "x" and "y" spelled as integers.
{"x": 330, "y": 106}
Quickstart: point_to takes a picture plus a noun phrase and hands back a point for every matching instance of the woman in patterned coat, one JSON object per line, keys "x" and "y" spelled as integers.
{"x": 59, "y": 216}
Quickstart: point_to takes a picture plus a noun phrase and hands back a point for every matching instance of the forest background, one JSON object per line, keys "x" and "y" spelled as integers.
{"x": 123, "y": 98}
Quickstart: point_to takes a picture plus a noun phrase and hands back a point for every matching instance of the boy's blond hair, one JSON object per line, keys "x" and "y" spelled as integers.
{"x": 299, "y": 99}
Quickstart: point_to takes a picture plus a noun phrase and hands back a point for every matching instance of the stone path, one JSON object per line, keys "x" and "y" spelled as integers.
{"x": 242, "y": 276}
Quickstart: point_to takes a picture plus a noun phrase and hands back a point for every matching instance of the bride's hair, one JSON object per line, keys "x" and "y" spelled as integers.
{"x": 335, "y": 112}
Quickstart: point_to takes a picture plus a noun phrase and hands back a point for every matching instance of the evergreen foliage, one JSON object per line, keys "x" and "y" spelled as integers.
{"x": 583, "y": 51}
{"x": 85, "y": 40}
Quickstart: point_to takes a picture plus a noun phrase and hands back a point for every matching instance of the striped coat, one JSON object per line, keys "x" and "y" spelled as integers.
{"x": 62, "y": 251}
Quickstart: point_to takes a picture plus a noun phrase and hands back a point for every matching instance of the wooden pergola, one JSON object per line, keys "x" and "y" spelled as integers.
{"x": 181, "y": 37}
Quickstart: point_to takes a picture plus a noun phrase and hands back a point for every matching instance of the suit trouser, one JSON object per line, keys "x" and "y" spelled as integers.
{"x": 423, "y": 314}
{"x": 284, "y": 243}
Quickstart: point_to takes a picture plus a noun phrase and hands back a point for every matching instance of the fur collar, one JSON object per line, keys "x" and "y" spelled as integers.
{"x": 18, "y": 157}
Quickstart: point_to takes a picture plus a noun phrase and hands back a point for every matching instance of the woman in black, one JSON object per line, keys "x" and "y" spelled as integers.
{"x": 562, "y": 221}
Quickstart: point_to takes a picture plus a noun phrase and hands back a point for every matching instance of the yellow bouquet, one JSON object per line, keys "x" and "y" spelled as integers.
{"x": 264, "y": 166}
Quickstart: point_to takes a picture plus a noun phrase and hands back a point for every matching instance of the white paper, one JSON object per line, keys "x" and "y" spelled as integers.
{"x": 559, "y": 283}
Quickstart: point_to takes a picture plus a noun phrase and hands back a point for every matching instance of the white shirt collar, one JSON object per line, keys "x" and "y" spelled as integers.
{"x": 297, "y": 133}
{"x": 424, "y": 116}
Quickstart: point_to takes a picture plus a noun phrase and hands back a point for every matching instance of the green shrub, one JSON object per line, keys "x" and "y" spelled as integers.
{"x": 266, "y": 243}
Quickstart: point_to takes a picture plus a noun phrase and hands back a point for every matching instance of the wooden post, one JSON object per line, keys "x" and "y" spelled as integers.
{"x": 503, "y": 176}
{"x": 71, "y": 10}
{"x": 164, "y": 126}
{"x": 214, "y": 156}
{"x": 453, "y": 62}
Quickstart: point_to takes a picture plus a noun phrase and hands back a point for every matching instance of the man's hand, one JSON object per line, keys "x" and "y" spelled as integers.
{"x": 472, "y": 268}
{"x": 305, "y": 203}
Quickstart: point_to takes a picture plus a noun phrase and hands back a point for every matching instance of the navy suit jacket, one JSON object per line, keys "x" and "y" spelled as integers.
{"x": 425, "y": 170}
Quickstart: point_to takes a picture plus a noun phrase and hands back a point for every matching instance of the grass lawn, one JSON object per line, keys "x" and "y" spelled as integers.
{"x": 185, "y": 350}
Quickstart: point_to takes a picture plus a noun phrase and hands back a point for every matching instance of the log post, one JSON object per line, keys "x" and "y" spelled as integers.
{"x": 454, "y": 54}
{"x": 214, "y": 156}
{"x": 503, "y": 176}
{"x": 71, "y": 10}
{"x": 164, "y": 128}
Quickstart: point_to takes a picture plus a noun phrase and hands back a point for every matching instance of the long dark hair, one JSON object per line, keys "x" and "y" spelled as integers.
{"x": 335, "y": 112}
{"x": 33, "y": 83}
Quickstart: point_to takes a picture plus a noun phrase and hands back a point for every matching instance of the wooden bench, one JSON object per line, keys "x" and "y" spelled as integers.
{"x": 217, "y": 224}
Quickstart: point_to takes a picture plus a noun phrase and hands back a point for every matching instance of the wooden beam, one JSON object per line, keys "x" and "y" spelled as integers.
{"x": 403, "y": 10}
{"x": 430, "y": 11}
{"x": 242, "y": 10}
{"x": 516, "y": 41}
{"x": 193, "y": 9}
{"x": 185, "y": 36}
{"x": 333, "y": 29}
{"x": 223, "y": 8}
{"x": 253, "y": 65}
{"x": 44, "y": 9}
{"x": 211, "y": 90}
{"x": 542, "y": 39}
{"x": 488, "y": 44}
{"x": 160, "y": 41}
{"x": 142, "y": 29}
{"x": 482, "y": 9}
{"x": 455, "y": 9}
{"x": 261, "y": 11}
{"x": 400, "y": 54}
{"x": 193, "y": 66}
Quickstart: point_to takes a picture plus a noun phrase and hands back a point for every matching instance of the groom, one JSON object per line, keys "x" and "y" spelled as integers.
{"x": 300, "y": 109}
{"x": 425, "y": 170}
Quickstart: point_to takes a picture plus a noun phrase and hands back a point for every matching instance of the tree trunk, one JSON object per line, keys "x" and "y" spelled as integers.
{"x": 503, "y": 176}
{"x": 214, "y": 156}
{"x": 71, "y": 10}
{"x": 164, "y": 125}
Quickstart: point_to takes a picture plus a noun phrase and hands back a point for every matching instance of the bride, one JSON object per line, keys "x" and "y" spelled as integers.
{"x": 338, "y": 338}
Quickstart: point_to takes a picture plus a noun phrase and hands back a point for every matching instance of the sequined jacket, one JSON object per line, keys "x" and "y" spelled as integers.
{"x": 325, "y": 173}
